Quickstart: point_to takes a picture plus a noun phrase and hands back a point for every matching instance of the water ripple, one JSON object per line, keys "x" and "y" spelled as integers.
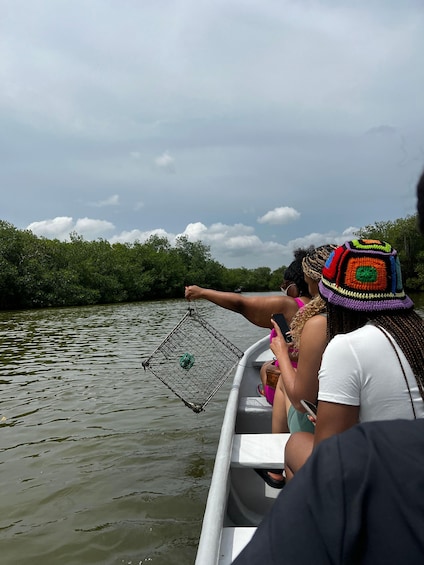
{"x": 100, "y": 463}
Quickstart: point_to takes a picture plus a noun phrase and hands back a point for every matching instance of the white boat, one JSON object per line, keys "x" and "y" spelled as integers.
{"x": 238, "y": 497}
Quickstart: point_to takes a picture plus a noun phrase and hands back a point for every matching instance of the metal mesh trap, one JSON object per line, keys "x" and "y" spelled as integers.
{"x": 194, "y": 360}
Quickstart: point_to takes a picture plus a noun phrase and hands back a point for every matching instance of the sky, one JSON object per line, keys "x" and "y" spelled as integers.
{"x": 255, "y": 126}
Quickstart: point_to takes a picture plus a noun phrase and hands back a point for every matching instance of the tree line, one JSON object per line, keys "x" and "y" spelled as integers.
{"x": 403, "y": 234}
{"x": 36, "y": 272}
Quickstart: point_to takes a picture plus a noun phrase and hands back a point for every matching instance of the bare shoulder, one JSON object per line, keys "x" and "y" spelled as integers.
{"x": 314, "y": 329}
{"x": 317, "y": 321}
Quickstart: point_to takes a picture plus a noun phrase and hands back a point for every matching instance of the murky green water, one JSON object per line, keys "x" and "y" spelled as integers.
{"x": 99, "y": 462}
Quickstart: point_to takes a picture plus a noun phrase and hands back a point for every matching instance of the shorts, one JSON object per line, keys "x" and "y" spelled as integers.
{"x": 298, "y": 421}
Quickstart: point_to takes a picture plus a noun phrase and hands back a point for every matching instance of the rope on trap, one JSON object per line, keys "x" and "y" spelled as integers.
{"x": 194, "y": 360}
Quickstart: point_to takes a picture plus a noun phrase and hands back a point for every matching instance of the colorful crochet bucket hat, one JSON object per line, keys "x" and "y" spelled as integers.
{"x": 364, "y": 275}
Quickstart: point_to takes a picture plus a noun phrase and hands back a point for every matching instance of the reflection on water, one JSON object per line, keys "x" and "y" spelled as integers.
{"x": 100, "y": 463}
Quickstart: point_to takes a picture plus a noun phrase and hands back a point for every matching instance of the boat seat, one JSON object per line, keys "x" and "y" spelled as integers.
{"x": 254, "y": 415}
{"x": 233, "y": 540}
{"x": 264, "y": 451}
{"x": 252, "y": 404}
{"x": 263, "y": 358}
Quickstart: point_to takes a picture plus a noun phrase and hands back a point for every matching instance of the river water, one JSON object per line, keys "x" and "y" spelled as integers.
{"x": 99, "y": 462}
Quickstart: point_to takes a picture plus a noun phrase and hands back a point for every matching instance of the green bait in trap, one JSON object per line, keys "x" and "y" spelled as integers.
{"x": 186, "y": 361}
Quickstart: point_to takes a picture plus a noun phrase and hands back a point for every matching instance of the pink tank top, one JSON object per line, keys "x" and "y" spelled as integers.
{"x": 269, "y": 391}
{"x": 273, "y": 333}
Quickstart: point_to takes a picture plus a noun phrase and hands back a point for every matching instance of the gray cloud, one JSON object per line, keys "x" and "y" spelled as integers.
{"x": 313, "y": 105}
{"x": 281, "y": 215}
{"x": 165, "y": 162}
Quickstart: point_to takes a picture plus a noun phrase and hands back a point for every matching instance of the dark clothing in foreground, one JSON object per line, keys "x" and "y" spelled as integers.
{"x": 358, "y": 500}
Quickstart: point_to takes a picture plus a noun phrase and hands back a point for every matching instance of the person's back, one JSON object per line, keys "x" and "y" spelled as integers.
{"x": 359, "y": 499}
{"x": 374, "y": 382}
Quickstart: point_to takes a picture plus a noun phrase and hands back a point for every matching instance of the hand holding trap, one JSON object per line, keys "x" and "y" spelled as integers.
{"x": 193, "y": 360}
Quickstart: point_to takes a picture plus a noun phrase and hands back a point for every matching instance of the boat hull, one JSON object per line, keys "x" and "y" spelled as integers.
{"x": 238, "y": 498}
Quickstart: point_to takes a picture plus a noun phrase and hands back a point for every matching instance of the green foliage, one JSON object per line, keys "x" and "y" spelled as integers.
{"x": 276, "y": 278}
{"x": 38, "y": 272}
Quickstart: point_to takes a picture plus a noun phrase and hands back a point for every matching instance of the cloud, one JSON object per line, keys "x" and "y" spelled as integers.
{"x": 140, "y": 236}
{"x": 90, "y": 228}
{"x": 54, "y": 228}
{"x": 242, "y": 98}
{"x": 382, "y": 130}
{"x": 279, "y": 216}
{"x": 111, "y": 201}
{"x": 232, "y": 245}
{"x": 165, "y": 162}
{"x": 316, "y": 239}
{"x": 61, "y": 227}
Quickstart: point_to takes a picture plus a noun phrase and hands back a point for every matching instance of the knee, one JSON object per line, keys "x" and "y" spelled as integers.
{"x": 298, "y": 449}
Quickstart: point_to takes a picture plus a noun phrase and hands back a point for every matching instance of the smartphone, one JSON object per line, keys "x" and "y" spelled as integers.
{"x": 283, "y": 325}
{"x": 310, "y": 408}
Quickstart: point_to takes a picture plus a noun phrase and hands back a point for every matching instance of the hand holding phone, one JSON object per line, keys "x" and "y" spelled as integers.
{"x": 283, "y": 325}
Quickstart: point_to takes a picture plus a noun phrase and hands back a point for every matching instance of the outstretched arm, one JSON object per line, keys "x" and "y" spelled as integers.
{"x": 256, "y": 309}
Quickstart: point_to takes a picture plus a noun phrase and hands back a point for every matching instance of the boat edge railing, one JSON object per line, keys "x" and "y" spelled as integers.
{"x": 213, "y": 519}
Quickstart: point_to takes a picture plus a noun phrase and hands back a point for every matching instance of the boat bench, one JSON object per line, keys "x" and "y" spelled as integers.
{"x": 264, "y": 451}
{"x": 254, "y": 404}
{"x": 264, "y": 357}
{"x": 251, "y": 451}
{"x": 232, "y": 542}
{"x": 254, "y": 415}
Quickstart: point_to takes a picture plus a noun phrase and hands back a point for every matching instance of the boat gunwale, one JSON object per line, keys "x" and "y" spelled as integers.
{"x": 213, "y": 519}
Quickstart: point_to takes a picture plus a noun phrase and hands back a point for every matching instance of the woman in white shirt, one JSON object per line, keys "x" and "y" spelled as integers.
{"x": 373, "y": 366}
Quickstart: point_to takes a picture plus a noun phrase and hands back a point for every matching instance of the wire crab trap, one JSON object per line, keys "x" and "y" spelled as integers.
{"x": 194, "y": 360}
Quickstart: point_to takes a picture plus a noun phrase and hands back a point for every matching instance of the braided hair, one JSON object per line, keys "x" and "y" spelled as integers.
{"x": 312, "y": 266}
{"x": 294, "y": 271}
{"x": 314, "y": 262}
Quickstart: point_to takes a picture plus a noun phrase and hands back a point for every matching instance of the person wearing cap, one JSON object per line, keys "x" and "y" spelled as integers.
{"x": 358, "y": 499}
{"x": 373, "y": 366}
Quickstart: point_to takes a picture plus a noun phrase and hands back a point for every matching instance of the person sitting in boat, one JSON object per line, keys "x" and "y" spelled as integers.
{"x": 373, "y": 366}
{"x": 259, "y": 309}
{"x": 294, "y": 285}
{"x": 345, "y": 525}
{"x": 309, "y": 333}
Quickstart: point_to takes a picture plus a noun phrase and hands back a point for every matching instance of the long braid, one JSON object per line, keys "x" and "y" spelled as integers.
{"x": 312, "y": 266}
{"x": 342, "y": 321}
{"x": 405, "y": 326}
{"x": 407, "y": 329}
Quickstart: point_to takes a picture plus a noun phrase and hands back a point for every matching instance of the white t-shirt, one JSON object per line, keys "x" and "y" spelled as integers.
{"x": 361, "y": 369}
